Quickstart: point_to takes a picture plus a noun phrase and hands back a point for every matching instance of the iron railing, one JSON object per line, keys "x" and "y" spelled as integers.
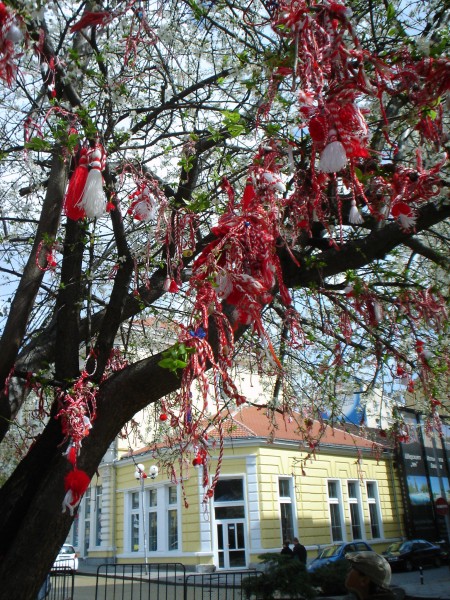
{"x": 169, "y": 581}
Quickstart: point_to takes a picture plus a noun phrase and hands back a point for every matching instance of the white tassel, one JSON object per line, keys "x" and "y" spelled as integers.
{"x": 93, "y": 201}
{"x": 274, "y": 181}
{"x": 378, "y": 312}
{"x": 146, "y": 207}
{"x": 405, "y": 215}
{"x": 333, "y": 157}
{"x": 355, "y": 216}
{"x": 14, "y": 34}
{"x": 68, "y": 503}
{"x": 407, "y": 222}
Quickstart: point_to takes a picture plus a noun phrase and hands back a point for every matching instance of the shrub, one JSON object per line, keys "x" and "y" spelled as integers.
{"x": 282, "y": 575}
{"x": 331, "y": 578}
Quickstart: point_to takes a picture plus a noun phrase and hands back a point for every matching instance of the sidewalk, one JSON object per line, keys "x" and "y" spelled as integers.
{"x": 430, "y": 584}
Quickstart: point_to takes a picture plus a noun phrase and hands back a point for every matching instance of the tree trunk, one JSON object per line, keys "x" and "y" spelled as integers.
{"x": 32, "y": 525}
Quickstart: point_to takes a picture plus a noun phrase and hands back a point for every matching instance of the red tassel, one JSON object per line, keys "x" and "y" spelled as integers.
{"x": 248, "y": 196}
{"x": 76, "y": 482}
{"x": 10, "y": 34}
{"x": 72, "y": 455}
{"x": 90, "y": 19}
{"x": 74, "y": 193}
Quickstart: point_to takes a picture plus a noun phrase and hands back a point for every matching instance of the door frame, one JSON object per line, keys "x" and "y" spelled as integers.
{"x": 226, "y": 553}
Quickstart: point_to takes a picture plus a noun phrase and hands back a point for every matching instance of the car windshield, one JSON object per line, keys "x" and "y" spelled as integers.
{"x": 67, "y": 550}
{"x": 400, "y": 547}
{"x": 330, "y": 551}
{"x": 395, "y": 547}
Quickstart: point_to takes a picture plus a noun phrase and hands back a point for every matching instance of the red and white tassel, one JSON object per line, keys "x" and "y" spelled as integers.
{"x": 10, "y": 35}
{"x": 145, "y": 207}
{"x": 354, "y": 216}
{"x": 404, "y": 214}
{"x": 75, "y": 189}
{"x": 333, "y": 157}
{"x": 76, "y": 482}
{"x": 170, "y": 285}
{"x": 93, "y": 201}
{"x": 274, "y": 181}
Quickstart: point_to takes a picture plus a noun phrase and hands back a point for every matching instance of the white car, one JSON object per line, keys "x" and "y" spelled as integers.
{"x": 67, "y": 558}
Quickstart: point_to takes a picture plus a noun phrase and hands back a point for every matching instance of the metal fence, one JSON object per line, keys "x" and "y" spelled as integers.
{"x": 169, "y": 581}
{"x": 226, "y": 585}
{"x": 155, "y": 581}
{"x": 61, "y": 586}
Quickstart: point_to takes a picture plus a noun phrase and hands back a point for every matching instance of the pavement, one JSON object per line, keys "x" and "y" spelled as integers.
{"x": 426, "y": 584}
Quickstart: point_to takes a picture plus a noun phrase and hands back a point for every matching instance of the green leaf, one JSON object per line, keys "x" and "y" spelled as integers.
{"x": 235, "y": 130}
{"x": 38, "y": 145}
{"x": 390, "y": 11}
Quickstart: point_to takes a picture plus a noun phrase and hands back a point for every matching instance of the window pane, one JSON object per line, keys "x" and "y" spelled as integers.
{"x": 172, "y": 495}
{"x": 374, "y": 522}
{"x": 284, "y": 488}
{"x": 135, "y": 500}
{"x": 135, "y": 532}
{"x": 173, "y": 530}
{"x": 152, "y": 531}
{"x": 98, "y": 519}
{"x": 87, "y": 509}
{"x": 352, "y": 489}
{"x": 229, "y": 490}
{"x": 230, "y": 512}
{"x": 287, "y": 522}
{"x": 355, "y": 521}
{"x": 371, "y": 490}
{"x": 152, "y": 498}
{"x": 336, "y": 527}
{"x": 332, "y": 489}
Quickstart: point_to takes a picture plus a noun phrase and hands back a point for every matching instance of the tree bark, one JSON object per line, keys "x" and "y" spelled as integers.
{"x": 30, "y": 282}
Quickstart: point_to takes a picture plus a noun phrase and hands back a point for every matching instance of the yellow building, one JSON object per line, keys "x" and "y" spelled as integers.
{"x": 271, "y": 487}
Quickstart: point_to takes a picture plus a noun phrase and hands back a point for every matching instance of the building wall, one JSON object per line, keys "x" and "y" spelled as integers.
{"x": 261, "y": 466}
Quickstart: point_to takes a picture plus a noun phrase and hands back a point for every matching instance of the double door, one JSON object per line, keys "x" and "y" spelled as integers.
{"x": 231, "y": 547}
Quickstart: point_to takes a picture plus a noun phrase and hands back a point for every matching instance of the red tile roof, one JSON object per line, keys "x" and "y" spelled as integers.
{"x": 257, "y": 422}
{"x": 254, "y": 422}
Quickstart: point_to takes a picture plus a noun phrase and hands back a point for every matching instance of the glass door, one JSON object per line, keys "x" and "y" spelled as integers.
{"x": 231, "y": 544}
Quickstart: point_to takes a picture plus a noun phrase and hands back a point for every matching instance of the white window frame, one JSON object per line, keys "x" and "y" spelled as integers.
{"x": 97, "y": 515}
{"x": 336, "y": 501}
{"x": 287, "y": 500}
{"x": 151, "y": 510}
{"x": 355, "y": 501}
{"x": 162, "y": 509}
{"x": 129, "y": 529}
{"x": 374, "y": 501}
{"x": 174, "y": 506}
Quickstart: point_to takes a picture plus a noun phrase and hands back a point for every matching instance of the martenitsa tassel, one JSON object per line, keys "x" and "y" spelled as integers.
{"x": 93, "y": 201}
{"x": 75, "y": 189}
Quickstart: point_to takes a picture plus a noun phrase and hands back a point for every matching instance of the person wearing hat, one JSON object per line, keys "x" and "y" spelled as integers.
{"x": 369, "y": 576}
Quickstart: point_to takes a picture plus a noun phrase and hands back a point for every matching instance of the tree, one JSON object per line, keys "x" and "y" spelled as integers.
{"x": 274, "y": 179}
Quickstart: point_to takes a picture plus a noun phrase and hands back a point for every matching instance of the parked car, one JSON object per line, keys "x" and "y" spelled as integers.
{"x": 336, "y": 552}
{"x": 412, "y": 554}
{"x": 67, "y": 558}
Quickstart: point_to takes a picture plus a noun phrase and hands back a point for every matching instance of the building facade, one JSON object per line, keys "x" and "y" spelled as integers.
{"x": 274, "y": 484}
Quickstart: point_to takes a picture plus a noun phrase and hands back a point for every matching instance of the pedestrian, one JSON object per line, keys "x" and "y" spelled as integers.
{"x": 369, "y": 576}
{"x": 286, "y": 549}
{"x": 299, "y": 551}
